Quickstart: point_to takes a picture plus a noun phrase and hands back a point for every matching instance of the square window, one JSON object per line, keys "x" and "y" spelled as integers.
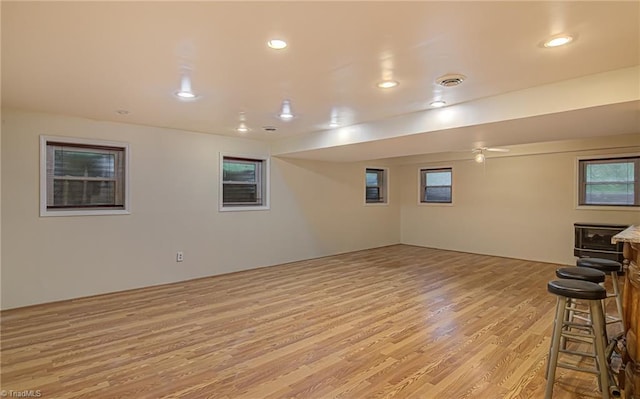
{"x": 436, "y": 186}
{"x": 82, "y": 177}
{"x": 376, "y": 186}
{"x": 244, "y": 183}
{"x": 609, "y": 181}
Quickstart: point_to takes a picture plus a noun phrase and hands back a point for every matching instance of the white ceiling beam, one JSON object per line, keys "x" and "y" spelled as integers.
{"x": 588, "y": 92}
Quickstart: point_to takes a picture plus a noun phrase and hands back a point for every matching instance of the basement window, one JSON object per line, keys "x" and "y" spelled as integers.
{"x": 83, "y": 177}
{"x": 436, "y": 186}
{"x": 376, "y": 186}
{"x": 244, "y": 183}
{"x": 609, "y": 181}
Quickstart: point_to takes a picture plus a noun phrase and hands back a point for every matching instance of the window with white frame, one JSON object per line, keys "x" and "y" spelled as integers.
{"x": 82, "y": 177}
{"x": 436, "y": 186}
{"x": 376, "y": 186}
{"x": 609, "y": 181}
{"x": 244, "y": 183}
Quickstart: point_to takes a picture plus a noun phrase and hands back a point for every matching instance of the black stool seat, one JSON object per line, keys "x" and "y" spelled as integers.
{"x": 605, "y": 265}
{"x": 581, "y": 273}
{"x": 577, "y": 289}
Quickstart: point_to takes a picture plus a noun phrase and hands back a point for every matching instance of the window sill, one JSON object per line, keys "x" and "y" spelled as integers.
{"x": 87, "y": 212}
{"x": 243, "y": 208}
{"x": 376, "y": 203}
{"x": 607, "y": 208}
{"x": 435, "y": 203}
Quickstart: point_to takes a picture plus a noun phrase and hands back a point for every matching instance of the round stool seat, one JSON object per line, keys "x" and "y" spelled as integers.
{"x": 577, "y": 289}
{"x": 581, "y": 273}
{"x": 605, "y": 265}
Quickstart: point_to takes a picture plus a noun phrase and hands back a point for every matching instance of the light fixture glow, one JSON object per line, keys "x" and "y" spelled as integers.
{"x": 387, "y": 84}
{"x": 286, "y": 114}
{"x": 242, "y": 128}
{"x": 479, "y": 158}
{"x": 558, "y": 41}
{"x": 334, "y": 119}
{"x": 437, "y": 104}
{"x": 277, "y": 44}
{"x": 185, "y": 92}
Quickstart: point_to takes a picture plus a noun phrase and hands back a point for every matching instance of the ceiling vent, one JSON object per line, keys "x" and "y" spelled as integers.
{"x": 450, "y": 80}
{"x": 269, "y": 128}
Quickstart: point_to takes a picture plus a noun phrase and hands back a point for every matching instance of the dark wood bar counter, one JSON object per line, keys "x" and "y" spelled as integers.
{"x": 631, "y": 308}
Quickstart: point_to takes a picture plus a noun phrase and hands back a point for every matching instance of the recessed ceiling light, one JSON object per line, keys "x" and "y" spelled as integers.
{"x": 333, "y": 123}
{"x": 437, "y": 104}
{"x": 286, "y": 114}
{"x": 242, "y": 128}
{"x": 277, "y": 44}
{"x": 558, "y": 41}
{"x": 187, "y": 95}
{"x": 387, "y": 84}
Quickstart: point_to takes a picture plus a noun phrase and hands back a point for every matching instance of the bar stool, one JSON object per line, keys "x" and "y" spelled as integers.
{"x": 593, "y": 294}
{"x": 612, "y": 268}
{"x": 582, "y": 274}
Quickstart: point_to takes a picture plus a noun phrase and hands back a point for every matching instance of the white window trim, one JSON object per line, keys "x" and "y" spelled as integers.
{"x": 453, "y": 185}
{"x": 267, "y": 183}
{"x": 385, "y": 183}
{"x": 576, "y": 184}
{"x": 44, "y": 212}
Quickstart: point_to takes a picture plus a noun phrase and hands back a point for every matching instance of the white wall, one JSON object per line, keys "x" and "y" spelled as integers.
{"x": 520, "y": 206}
{"x": 1, "y": 126}
{"x": 317, "y": 209}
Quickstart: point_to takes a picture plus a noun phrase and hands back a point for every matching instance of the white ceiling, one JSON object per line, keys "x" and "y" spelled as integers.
{"x": 90, "y": 59}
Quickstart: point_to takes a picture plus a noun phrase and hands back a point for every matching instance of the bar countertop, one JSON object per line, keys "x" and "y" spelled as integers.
{"x": 631, "y": 234}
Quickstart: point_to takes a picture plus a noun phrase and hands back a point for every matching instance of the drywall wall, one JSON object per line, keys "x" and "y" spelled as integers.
{"x": 519, "y": 205}
{"x": 0, "y": 209}
{"x": 317, "y": 209}
{"x": 516, "y": 205}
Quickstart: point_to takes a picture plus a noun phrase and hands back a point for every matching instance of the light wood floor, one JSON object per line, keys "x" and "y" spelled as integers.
{"x": 394, "y": 322}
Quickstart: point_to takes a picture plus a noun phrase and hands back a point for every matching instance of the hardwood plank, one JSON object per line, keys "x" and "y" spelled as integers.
{"x": 392, "y": 322}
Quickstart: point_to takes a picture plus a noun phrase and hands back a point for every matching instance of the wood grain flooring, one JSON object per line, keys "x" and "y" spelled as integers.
{"x": 392, "y": 322}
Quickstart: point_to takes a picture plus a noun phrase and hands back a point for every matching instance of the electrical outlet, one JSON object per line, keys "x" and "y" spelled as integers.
{"x": 179, "y": 256}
